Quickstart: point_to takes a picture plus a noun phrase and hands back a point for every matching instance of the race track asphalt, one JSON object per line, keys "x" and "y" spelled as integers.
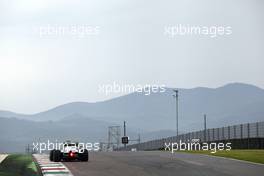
{"x": 158, "y": 163}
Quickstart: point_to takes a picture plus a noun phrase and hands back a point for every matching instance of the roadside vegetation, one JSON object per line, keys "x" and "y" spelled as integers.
{"x": 256, "y": 156}
{"x": 18, "y": 165}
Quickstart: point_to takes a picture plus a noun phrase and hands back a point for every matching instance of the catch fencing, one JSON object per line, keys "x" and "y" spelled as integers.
{"x": 250, "y": 135}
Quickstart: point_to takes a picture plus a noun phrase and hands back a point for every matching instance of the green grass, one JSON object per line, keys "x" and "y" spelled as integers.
{"x": 18, "y": 165}
{"x": 256, "y": 156}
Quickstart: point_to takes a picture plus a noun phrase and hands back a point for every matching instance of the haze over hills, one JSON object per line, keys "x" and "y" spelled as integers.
{"x": 232, "y": 103}
{"x": 16, "y": 134}
{"x": 152, "y": 116}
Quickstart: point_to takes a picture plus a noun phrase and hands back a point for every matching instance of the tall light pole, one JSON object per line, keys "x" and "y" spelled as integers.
{"x": 205, "y": 127}
{"x": 176, "y": 96}
{"x": 125, "y": 131}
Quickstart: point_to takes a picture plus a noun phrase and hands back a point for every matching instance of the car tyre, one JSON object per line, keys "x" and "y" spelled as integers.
{"x": 57, "y": 156}
{"x": 51, "y": 155}
{"x": 85, "y": 155}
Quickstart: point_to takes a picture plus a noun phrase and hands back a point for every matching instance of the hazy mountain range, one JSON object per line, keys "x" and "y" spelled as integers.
{"x": 151, "y": 115}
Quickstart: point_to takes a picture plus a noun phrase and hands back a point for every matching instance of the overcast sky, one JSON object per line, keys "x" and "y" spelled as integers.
{"x": 130, "y": 47}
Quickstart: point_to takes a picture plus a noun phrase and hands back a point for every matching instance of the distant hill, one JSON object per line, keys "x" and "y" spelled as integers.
{"x": 230, "y": 104}
{"x": 152, "y": 116}
{"x": 16, "y": 134}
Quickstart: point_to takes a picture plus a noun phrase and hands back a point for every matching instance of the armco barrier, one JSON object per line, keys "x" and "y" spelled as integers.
{"x": 243, "y": 136}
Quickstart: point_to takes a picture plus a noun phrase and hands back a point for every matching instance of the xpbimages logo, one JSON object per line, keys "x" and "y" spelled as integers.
{"x": 196, "y": 145}
{"x": 49, "y": 145}
{"x": 186, "y": 29}
{"x": 146, "y": 89}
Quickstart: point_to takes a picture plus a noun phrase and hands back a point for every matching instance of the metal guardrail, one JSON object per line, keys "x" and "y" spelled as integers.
{"x": 242, "y": 131}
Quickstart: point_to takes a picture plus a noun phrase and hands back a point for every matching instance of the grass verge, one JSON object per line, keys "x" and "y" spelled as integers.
{"x": 256, "y": 156}
{"x": 18, "y": 165}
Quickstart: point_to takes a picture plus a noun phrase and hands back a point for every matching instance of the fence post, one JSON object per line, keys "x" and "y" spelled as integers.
{"x": 257, "y": 130}
{"x": 248, "y": 135}
{"x": 213, "y": 134}
{"x": 228, "y": 130}
{"x": 241, "y": 131}
{"x": 234, "y": 131}
{"x": 218, "y": 135}
{"x": 248, "y": 130}
{"x": 258, "y": 139}
{"x": 208, "y": 135}
{"x": 223, "y": 133}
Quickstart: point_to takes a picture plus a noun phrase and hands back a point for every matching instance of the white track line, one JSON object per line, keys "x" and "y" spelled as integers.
{"x": 233, "y": 159}
{"x": 2, "y": 157}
